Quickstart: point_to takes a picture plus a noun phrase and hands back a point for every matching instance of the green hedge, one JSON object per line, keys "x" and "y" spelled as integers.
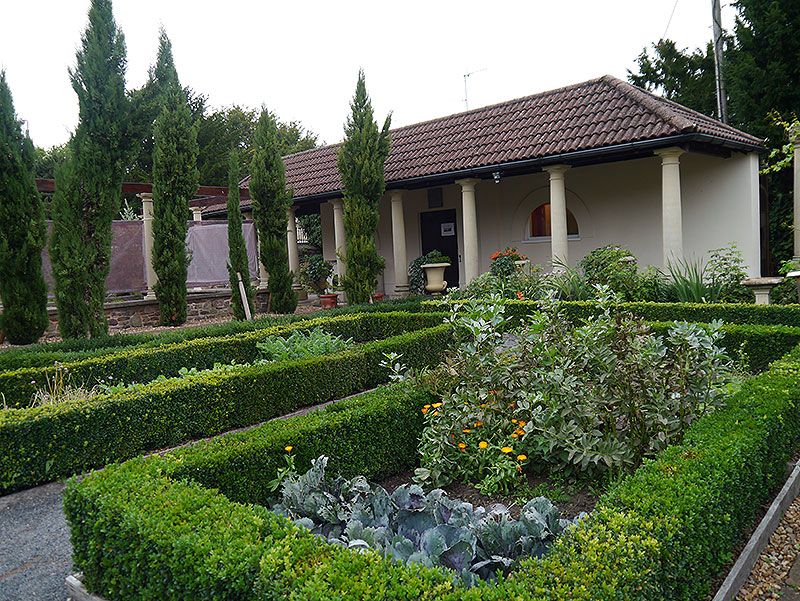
{"x": 45, "y": 443}
{"x": 145, "y": 363}
{"x": 785, "y": 315}
{"x": 44, "y": 354}
{"x": 151, "y": 528}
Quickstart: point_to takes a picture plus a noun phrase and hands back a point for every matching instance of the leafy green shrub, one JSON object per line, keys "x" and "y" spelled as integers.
{"x": 416, "y": 275}
{"x": 504, "y": 262}
{"x": 45, "y": 443}
{"x": 786, "y": 293}
{"x": 568, "y": 284}
{"x": 147, "y": 363}
{"x": 598, "y": 394}
{"x": 613, "y": 266}
{"x": 314, "y": 274}
{"x": 300, "y": 344}
{"x": 413, "y": 527}
{"x": 726, "y": 267}
{"x": 518, "y": 286}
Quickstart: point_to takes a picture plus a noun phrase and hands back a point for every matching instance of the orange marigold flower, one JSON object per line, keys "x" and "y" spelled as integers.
{"x": 522, "y": 423}
{"x": 478, "y": 424}
{"x": 519, "y": 431}
{"x": 462, "y": 445}
{"x": 435, "y": 413}
{"x": 436, "y": 405}
{"x": 515, "y": 435}
{"x": 425, "y": 409}
{"x": 521, "y": 457}
{"x": 506, "y": 450}
{"x": 520, "y": 296}
{"x": 466, "y": 430}
{"x": 483, "y": 444}
{"x": 513, "y": 421}
{"x": 288, "y": 448}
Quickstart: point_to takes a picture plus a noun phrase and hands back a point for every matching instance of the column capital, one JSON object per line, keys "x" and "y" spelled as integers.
{"x": 468, "y": 183}
{"x": 337, "y": 203}
{"x": 396, "y": 195}
{"x": 556, "y": 171}
{"x": 794, "y": 133}
{"x": 145, "y": 196}
{"x": 669, "y": 156}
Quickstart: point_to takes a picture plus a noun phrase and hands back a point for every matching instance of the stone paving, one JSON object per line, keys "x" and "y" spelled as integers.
{"x": 35, "y": 552}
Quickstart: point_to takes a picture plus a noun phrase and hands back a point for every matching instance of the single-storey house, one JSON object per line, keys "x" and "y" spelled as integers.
{"x": 556, "y": 175}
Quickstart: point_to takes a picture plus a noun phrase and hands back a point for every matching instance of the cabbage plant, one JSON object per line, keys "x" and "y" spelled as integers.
{"x": 410, "y": 525}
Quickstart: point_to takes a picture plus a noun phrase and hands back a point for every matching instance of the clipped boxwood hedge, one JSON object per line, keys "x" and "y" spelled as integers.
{"x": 44, "y": 354}
{"x": 785, "y": 315}
{"x": 45, "y": 443}
{"x": 145, "y": 363}
{"x": 154, "y": 528}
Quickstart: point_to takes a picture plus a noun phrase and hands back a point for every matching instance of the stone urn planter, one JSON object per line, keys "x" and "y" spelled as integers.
{"x": 328, "y": 301}
{"x": 434, "y": 277}
{"x": 523, "y": 265}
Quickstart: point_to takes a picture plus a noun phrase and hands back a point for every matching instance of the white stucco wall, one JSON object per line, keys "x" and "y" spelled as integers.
{"x": 613, "y": 203}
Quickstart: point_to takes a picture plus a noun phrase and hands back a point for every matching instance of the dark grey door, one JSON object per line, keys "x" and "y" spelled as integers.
{"x": 439, "y": 232}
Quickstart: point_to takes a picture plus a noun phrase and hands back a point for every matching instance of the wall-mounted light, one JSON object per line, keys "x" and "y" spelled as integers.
{"x": 496, "y": 176}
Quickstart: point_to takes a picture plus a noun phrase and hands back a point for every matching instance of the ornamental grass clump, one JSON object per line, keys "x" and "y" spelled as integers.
{"x": 595, "y": 396}
{"x": 411, "y": 526}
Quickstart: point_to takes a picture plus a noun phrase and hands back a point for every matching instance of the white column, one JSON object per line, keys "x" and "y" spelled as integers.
{"x": 263, "y": 275}
{"x": 559, "y": 246}
{"x": 339, "y": 237}
{"x": 197, "y": 213}
{"x": 794, "y": 134}
{"x": 671, "y": 220}
{"x": 294, "y": 253}
{"x": 469, "y": 218}
{"x": 399, "y": 244}
{"x": 147, "y": 230}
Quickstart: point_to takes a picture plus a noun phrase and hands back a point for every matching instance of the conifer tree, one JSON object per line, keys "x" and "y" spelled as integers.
{"x": 361, "y": 164}
{"x": 22, "y": 231}
{"x": 174, "y": 184}
{"x": 88, "y": 184}
{"x": 237, "y": 251}
{"x": 271, "y": 200}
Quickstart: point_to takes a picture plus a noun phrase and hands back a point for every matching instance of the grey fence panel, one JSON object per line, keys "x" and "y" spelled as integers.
{"x": 207, "y": 244}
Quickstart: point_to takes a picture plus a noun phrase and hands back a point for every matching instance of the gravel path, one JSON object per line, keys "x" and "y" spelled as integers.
{"x": 776, "y": 574}
{"x": 35, "y": 552}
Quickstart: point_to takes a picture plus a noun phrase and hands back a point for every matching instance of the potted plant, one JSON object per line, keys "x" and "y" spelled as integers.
{"x": 314, "y": 274}
{"x": 437, "y": 262}
{"x": 329, "y": 299}
{"x": 506, "y": 262}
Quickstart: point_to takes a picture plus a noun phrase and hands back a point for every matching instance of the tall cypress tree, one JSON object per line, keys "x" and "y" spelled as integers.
{"x": 88, "y": 185}
{"x": 361, "y": 163}
{"x": 22, "y": 231}
{"x": 174, "y": 183}
{"x": 271, "y": 200}
{"x": 237, "y": 251}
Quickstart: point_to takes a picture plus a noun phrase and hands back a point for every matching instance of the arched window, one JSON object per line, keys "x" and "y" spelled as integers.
{"x": 540, "y": 222}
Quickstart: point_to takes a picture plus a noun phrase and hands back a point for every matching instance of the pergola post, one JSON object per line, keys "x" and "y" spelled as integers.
{"x": 340, "y": 242}
{"x": 294, "y": 253}
{"x": 559, "y": 246}
{"x": 147, "y": 231}
{"x": 263, "y": 274}
{"x": 399, "y": 244}
{"x": 469, "y": 218}
{"x": 795, "y": 137}
{"x": 671, "y": 220}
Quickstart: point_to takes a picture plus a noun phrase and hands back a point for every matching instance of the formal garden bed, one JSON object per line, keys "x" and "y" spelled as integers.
{"x": 670, "y": 509}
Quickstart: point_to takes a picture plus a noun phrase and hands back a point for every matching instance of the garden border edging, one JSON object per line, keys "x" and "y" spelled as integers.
{"x": 749, "y": 556}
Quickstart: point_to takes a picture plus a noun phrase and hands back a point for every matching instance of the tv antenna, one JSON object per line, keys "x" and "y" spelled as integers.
{"x": 466, "y": 77}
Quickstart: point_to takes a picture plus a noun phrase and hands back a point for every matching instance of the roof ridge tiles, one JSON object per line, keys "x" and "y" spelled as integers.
{"x": 650, "y": 102}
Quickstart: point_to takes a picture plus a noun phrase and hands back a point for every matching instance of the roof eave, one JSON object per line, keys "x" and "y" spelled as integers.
{"x": 583, "y": 157}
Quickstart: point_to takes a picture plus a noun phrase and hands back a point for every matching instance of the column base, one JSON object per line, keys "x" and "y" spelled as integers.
{"x": 401, "y": 291}
{"x": 150, "y": 295}
{"x": 301, "y": 292}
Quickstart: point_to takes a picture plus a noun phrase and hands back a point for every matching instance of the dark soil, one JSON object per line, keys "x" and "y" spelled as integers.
{"x": 571, "y": 500}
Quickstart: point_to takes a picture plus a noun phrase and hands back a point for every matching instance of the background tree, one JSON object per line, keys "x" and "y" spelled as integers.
{"x": 761, "y": 63}
{"x": 271, "y": 200}
{"x": 312, "y": 227}
{"x": 22, "y": 231}
{"x": 361, "y": 164}
{"x": 88, "y": 189}
{"x": 174, "y": 184}
{"x": 237, "y": 250}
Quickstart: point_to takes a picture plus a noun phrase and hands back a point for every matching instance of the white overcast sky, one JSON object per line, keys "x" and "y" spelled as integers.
{"x": 300, "y": 58}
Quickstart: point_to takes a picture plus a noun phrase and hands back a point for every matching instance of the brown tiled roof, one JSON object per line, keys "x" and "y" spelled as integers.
{"x": 592, "y": 115}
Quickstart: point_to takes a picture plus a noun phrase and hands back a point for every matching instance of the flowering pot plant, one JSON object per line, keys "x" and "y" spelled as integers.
{"x": 504, "y": 262}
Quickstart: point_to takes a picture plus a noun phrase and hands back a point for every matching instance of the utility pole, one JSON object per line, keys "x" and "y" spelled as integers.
{"x": 722, "y": 102}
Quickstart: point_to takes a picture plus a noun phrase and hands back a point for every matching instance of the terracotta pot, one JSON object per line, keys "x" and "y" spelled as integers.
{"x": 328, "y": 301}
{"x": 434, "y": 277}
{"x": 377, "y": 297}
